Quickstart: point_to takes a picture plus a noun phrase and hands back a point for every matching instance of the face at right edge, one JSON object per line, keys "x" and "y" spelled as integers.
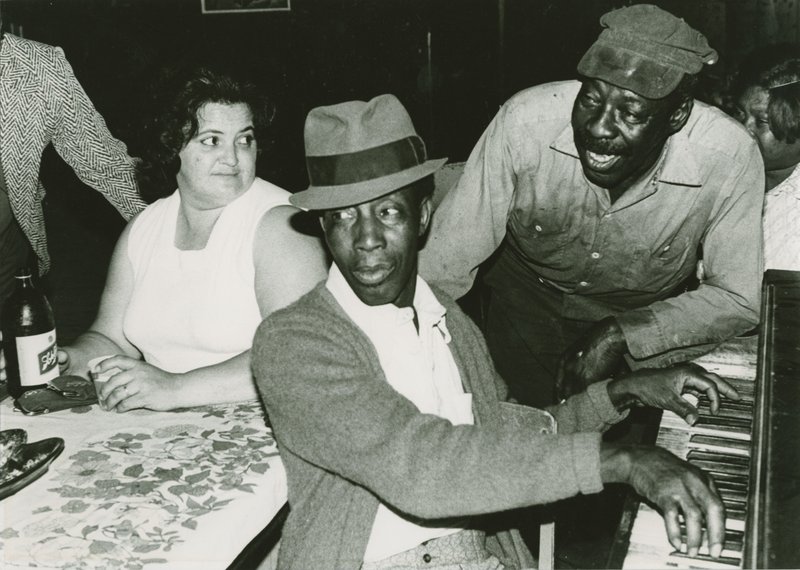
{"x": 752, "y": 112}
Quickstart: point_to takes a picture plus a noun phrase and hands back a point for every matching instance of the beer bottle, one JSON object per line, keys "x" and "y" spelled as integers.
{"x": 29, "y": 337}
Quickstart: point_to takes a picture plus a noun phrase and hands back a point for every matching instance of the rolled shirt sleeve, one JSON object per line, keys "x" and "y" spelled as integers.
{"x": 470, "y": 223}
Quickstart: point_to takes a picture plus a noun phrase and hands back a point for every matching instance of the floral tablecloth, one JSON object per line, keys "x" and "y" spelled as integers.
{"x": 169, "y": 490}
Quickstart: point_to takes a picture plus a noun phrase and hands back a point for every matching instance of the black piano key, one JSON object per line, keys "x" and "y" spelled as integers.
{"x": 742, "y": 413}
{"x": 744, "y": 401}
{"x": 738, "y": 501}
{"x": 715, "y": 468}
{"x": 731, "y": 478}
{"x": 731, "y": 488}
{"x": 720, "y": 457}
{"x": 732, "y": 497}
{"x": 723, "y": 423}
{"x": 732, "y": 482}
{"x": 744, "y": 387}
{"x": 715, "y": 442}
{"x": 735, "y": 488}
{"x": 734, "y": 513}
{"x": 733, "y": 540}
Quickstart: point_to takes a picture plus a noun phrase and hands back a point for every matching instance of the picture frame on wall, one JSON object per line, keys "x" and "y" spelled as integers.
{"x": 243, "y": 6}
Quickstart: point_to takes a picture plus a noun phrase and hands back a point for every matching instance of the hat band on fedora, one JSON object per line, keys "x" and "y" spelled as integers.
{"x": 369, "y": 164}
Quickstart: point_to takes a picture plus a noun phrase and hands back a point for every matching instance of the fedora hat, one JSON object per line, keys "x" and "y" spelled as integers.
{"x": 358, "y": 151}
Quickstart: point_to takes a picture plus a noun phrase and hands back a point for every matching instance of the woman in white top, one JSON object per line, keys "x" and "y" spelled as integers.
{"x": 195, "y": 273}
{"x": 768, "y": 104}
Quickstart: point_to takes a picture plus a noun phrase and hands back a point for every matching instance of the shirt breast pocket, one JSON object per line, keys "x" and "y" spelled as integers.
{"x": 671, "y": 251}
{"x": 655, "y": 269}
{"x": 540, "y": 234}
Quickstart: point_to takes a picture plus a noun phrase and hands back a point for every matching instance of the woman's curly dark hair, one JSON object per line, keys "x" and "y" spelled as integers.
{"x": 174, "y": 122}
{"x": 775, "y": 68}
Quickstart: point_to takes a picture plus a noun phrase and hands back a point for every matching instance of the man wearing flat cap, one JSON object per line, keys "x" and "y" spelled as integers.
{"x": 590, "y": 200}
{"x": 398, "y": 447}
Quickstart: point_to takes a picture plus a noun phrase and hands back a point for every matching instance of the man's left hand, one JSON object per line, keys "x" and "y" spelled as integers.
{"x": 664, "y": 388}
{"x": 595, "y": 356}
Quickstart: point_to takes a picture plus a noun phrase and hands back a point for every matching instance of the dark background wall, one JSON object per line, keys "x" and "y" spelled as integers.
{"x": 451, "y": 62}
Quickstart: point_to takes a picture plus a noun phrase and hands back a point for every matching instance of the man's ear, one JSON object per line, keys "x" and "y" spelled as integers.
{"x": 425, "y": 213}
{"x": 680, "y": 115}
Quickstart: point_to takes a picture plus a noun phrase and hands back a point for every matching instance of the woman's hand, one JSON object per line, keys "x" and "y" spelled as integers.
{"x": 137, "y": 385}
{"x": 664, "y": 388}
{"x": 64, "y": 361}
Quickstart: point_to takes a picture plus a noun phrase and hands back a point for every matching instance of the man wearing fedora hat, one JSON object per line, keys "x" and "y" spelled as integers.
{"x": 384, "y": 401}
{"x": 590, "y": 200}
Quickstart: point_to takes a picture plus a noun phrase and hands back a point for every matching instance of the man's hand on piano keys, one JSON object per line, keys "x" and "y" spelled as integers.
{"x": 679, "y": 490}
{"x": 667, "y": 388}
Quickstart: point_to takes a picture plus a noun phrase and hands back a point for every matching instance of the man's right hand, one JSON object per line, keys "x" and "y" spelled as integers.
{"x": 664, "y": 387}
{"x": 676, "y": 487}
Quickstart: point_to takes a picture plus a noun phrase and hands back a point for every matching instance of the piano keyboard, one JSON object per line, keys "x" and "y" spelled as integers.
{"x": 720, "y": 445}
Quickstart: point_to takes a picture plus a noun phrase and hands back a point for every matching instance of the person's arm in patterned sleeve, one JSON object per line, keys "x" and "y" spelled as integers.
{"x": 470, "y": 223}
{"x": 83, "y": 140}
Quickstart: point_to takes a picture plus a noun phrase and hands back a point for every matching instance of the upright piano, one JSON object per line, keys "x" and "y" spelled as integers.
{"x": 751, "y": 449}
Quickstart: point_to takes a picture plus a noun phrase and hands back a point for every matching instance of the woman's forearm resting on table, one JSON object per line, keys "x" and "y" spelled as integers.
{"x": 228, "y": 381}
{"x": 138, "y": 384}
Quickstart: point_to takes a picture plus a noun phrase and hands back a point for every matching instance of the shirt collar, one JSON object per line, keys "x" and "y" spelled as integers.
{"x": 430, "y": 311}
{"x": 680, "y": 167}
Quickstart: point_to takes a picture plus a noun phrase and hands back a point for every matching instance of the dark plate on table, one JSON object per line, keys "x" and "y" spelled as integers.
{"x": 11, "y": 442}
{"x": 29, "y": 463}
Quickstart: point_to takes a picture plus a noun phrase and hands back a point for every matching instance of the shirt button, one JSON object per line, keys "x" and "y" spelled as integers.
{"x": 537, "y": 227}
{"x": 595, "y": 255}
{"x": 584, "y": 283}
{"x": 426, "y": 558}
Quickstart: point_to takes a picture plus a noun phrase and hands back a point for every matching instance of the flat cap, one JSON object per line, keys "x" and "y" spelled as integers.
{"x": 646, "y": 50}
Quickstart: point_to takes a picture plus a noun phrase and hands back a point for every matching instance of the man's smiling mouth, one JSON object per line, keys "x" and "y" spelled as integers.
{"x": 601, "y": 162}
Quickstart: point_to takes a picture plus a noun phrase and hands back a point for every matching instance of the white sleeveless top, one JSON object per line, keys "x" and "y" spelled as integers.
{"x": 196, "y": 308}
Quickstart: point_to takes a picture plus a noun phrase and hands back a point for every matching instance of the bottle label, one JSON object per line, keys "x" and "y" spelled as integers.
{"x": 38, "y": 362}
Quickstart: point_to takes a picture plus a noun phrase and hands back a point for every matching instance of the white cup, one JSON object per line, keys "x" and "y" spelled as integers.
{"x": 100, "y": 378}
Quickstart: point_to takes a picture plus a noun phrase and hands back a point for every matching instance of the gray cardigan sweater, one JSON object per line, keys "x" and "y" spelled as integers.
{"x": 348, "y": 440}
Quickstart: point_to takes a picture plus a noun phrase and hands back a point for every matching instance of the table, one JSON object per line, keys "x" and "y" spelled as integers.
{"x": 144, "y": 490}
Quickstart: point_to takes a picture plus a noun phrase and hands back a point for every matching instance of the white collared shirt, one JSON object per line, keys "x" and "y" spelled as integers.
{"x": 782, "y": 224}
{"x": 420, "y": 367}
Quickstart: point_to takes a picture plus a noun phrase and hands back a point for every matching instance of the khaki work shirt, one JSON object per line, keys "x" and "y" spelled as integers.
{"x": 523, "y": 190}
